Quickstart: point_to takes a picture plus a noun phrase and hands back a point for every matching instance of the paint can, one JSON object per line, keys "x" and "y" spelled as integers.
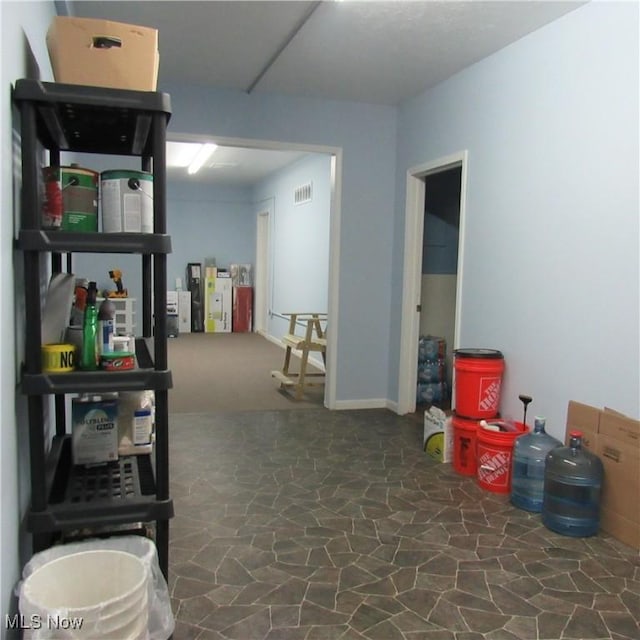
{"x": 127, "y": 201}
{"x": 70, "y": 198}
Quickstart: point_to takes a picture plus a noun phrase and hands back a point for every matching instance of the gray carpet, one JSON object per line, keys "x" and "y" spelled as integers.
{"x": 230, "y": 372}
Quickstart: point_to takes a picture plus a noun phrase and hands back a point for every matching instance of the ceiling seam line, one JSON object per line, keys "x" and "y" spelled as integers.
{"x": 292, "y": 34}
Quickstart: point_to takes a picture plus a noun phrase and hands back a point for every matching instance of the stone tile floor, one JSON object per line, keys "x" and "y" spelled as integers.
{"x": 322, "y": 525}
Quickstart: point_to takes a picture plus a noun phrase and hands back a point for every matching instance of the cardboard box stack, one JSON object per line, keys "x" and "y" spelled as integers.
{"x": 615, "y": 438}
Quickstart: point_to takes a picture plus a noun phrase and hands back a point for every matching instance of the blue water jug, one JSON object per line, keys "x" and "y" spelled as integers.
{"x": 572, "y": 485}
{"x": 527, "y": 476}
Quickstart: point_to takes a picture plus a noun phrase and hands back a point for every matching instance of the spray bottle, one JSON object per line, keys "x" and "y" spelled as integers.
{"x": 89, "y": 360}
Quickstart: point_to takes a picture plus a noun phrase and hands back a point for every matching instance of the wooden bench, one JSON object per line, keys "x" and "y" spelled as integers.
{"x": 307, "y": 333}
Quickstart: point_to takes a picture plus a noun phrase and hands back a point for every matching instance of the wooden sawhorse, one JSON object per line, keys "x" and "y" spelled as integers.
{"x": 306, "y": 334}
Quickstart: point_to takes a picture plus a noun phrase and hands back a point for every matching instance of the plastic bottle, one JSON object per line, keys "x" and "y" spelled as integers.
{"x": 142, "y": 428}
{"x": 89, "y": 359}
{"x": 106, "y": 325}
{"x": 572, "y": 484}
{"x": 529, "y": 455}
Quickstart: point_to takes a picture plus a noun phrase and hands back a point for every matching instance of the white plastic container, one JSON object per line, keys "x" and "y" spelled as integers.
{"x": 136, "y": 413}
{"x": 98, "y": 593}
{"x": 161, "y": 622}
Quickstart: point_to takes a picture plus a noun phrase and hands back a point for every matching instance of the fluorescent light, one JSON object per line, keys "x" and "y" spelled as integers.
{"x": 181, "y": 154}
{"x": 206, "y": 151}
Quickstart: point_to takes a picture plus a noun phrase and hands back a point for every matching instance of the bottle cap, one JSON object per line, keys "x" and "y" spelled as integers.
{"x": 575, "y": 434}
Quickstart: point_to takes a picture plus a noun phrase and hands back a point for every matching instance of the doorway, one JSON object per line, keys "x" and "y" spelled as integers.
{"x": 412, "y": 299}
{"x": 264, "y": 247}
{"x": 262, "y": 298}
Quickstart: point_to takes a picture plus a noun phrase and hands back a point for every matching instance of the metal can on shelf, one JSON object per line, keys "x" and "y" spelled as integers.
{"x": 117, "y": 361}
{"x": 127, "y": 201}
{"x": 70, "y": 198}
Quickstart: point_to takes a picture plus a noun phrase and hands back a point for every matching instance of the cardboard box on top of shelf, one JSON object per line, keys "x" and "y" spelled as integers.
{"x": 103, "y": 53}
{"x": 615, "y": 439}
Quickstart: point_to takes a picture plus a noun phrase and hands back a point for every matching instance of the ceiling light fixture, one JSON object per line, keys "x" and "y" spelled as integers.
{"x": 206, "y": 151}
{"x": 181, "y": 154}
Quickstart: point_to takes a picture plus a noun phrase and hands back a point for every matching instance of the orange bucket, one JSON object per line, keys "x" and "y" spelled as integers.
{"x": 477, "y": 383}
{"x": 464, "y": 445}
{"x": 494, "y": 457}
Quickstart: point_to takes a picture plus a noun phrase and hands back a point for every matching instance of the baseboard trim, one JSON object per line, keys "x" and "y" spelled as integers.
{"x": 365, "y": 403}
{"x": 343, "y": 405}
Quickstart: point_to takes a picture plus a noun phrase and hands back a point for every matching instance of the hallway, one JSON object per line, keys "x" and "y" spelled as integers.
{"x": 324, "y": 525}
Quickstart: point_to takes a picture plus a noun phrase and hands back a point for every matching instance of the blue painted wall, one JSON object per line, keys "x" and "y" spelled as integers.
{"x": 367, "y": 135}
{"x": 552, "y": 235}
{"x": 300, "y": 239}
{"x": 208, "y": 222}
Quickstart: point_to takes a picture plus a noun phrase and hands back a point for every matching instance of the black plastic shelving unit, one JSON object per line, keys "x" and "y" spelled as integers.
{"x": 135, "y": 489}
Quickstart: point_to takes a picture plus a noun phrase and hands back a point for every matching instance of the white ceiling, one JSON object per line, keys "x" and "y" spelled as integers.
{"x": 369, "y": 51}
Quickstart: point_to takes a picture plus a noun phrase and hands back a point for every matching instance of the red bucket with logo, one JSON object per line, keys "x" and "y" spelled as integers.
{"x": 464, "y": 445}
{"x": 477, "y": 383}
{"x": 494, "y": 456}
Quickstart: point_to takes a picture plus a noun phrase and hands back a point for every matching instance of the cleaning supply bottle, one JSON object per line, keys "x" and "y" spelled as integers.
{"x": 106, "y": 326}
{"x": 527, "y": 478}
{"x": 89, "y": 359}
{"x": 572, "y": 485}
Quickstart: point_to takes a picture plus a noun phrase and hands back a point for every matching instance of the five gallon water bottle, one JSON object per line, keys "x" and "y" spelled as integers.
{"x": 572, "y": 484}
{"x": 527, "y": 477}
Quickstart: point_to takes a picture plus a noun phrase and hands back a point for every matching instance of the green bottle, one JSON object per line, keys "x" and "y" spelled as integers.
{"x": 89, "y": 360}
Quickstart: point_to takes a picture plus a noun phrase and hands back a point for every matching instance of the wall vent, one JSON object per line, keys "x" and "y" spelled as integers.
{"x": 303, "y": 193}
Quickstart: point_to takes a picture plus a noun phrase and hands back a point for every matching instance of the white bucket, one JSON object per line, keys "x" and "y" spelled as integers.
{"x": 104, "y": 589}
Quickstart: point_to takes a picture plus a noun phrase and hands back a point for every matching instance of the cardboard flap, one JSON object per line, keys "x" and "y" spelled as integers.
{"x": 617, "y": 426}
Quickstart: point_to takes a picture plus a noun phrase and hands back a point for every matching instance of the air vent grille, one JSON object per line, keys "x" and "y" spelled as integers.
{"x": 303, "y": 193}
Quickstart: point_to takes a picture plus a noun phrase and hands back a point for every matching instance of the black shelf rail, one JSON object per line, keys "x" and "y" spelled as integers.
{"x": 79, "y": 242}
{"x": 72, "y": 117}
{"x": 118, "y": 493}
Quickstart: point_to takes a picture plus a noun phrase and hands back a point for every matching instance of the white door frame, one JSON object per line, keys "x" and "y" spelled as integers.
{"x": 412, "y": 271}
{"x": 263, "y": 264}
